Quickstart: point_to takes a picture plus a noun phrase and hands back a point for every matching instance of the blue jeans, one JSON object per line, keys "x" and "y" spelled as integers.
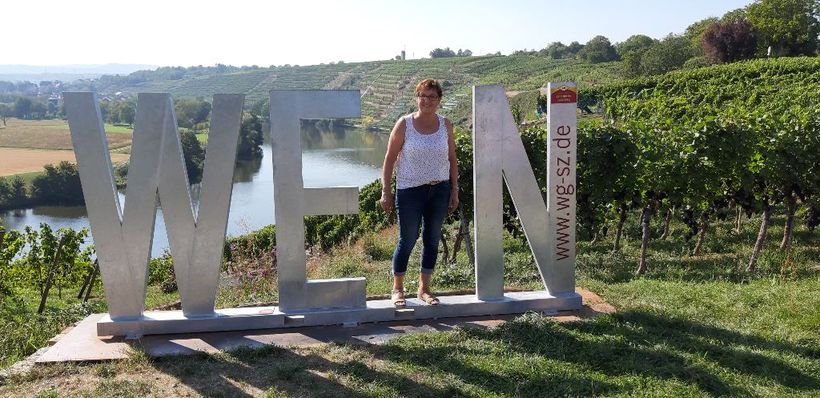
{"x": 425, "y": 204}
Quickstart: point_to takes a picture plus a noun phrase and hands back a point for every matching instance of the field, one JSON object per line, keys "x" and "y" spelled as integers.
{"x": 27, "y": 145}
{"x": 692, "y": 326}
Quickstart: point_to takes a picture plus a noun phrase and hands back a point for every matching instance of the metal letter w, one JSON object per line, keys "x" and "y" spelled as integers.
{"x": 123, "y": 232}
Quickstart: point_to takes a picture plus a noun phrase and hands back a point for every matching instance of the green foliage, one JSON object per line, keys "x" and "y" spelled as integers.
{"x": 631, "y": 50}
{"x": 121, "y": 111}
{"x": 323, "y": 232}
{"x": 665, "y": 55}
{"x": 254, "y": 244}
{"x": 6, "y": 112}
{"x": 555, "y": 50}
{"x": 597, "y": 50}
{"x": 744, "y": 133}
{"x": 161, "y": 273}
{"x": 23, "y": 107}
{"x": 250, "y": 138}
{"x": 790, "y": 27}
{"x": 46, "y": 250}
{"x": 191, "y": 112}
{"x": 447, "y": 52}
{"x": 12, "y": 194}
{"x": 695, "y": 62}
{"x": 694, "y": 33}
{"x": 194, "y": 156}
{"x": 58, "y": 185}
{"x": 607, "y": 174}
{"x": 23, "y": 332}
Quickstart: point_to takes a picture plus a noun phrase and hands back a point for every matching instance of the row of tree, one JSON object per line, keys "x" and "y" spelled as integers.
{"x": 447, "y": 52}
{"x": 25, "y": 107}
{"x": 763, "y": 28}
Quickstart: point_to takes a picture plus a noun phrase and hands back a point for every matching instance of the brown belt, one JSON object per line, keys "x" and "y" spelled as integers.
{"x": 435, "y": 182}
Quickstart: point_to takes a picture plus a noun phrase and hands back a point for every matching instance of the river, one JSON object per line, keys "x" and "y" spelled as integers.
{"x": 342, "y": 157}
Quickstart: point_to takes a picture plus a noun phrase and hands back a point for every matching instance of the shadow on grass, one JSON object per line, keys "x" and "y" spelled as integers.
{"x": 661, "y": 347}
{"x": 281, "y": 371}
{"x": 528, "y": 356}
{"x": 713, "y": 360}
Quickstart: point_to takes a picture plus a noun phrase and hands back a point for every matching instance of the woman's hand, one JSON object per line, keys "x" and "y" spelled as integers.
{"x": 453, "y": 205}
{"x": 386, "y": 202}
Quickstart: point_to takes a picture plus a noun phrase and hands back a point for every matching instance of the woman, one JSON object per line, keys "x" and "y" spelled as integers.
{"x": 422, "y": 149}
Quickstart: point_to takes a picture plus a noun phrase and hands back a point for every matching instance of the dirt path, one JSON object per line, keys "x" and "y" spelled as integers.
{"x": 19, "y": 160}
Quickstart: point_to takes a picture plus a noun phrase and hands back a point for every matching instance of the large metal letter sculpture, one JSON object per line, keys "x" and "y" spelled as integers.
{"x": 499, "y": 155}
{"x": 123, "y": 236}
{"x": 157, "y": 170}
{"x": 293, "y": 201}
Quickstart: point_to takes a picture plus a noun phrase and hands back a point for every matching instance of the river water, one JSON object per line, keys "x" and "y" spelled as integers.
{"x": 343, "y": 157}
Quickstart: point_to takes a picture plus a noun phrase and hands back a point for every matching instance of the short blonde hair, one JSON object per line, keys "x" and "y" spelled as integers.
{"x": 430, "y": 84}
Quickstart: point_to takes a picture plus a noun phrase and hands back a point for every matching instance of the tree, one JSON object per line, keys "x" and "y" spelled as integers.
{"x": 694, "y": 33}
{"x": 573, "y": 49}
{"x": 729, "y": 41}
{"x": 58, "y": 185}
{"x": 632, "y": 50}
{"x": 122, "y": 112}
{"x": 442, "y": 53}
{"x": 555, "y": 50}
{"x": 39, "y": 110}
{"x": 191, "y": 112}
{"x": 598, "y": 50}
{"x": 790, "y": 27}
{"x": 5, "y": 112}
{"x": 22, "y": 107}
{"x": 250, "y": 138}
{"x": 634, "y": 44}
{"x": 666, "y": 55}
{"x": 194, "y": 156}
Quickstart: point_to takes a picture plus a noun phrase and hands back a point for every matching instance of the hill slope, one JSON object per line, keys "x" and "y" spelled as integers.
{"x": 386, "y": 86}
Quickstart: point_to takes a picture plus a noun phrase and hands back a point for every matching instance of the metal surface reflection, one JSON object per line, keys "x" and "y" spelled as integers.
{"x": 499, "y": 152}
{"x": 123, "y": 234}
{"x": 294, "y": 201}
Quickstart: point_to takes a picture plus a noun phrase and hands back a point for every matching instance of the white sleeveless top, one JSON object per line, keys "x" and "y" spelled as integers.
{"x": 424, "y": 158}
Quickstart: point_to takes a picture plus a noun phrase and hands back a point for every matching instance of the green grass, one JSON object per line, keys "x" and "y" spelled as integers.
{"x": 109, "y": 128}
{"x": 23, "y": 331}
{"x": 692, "y": 326}
{"x": 28, "y": 178}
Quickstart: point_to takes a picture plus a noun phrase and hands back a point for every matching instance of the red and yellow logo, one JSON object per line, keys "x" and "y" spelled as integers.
{"x": 564, "y": 95}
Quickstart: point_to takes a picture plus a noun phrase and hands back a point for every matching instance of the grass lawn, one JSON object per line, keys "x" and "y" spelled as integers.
{"x": 692, "y": 326}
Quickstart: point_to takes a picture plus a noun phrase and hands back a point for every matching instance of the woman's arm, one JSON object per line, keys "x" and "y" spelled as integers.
{"x": 453, "y": 167}
{"x": 394, "y": 145}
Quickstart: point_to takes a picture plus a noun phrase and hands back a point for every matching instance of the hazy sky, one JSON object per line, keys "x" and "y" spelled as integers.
{"x": 247, "y": 32}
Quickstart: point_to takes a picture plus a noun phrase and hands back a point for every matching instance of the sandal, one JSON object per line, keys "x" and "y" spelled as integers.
{"x": 428, "y": 298}
{"x": 397, "y": 296}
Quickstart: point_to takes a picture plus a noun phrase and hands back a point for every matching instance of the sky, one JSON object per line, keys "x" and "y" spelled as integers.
{"x": 307, "y": 32}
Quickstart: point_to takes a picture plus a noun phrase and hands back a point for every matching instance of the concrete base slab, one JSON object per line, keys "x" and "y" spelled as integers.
{"x": 81, "y": 343}
{"x": 169, "y": 322}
